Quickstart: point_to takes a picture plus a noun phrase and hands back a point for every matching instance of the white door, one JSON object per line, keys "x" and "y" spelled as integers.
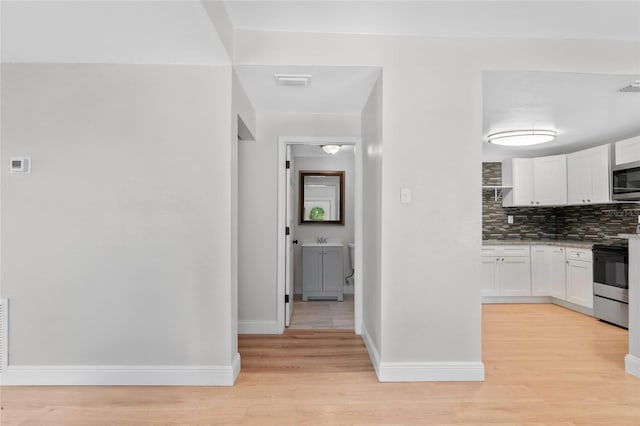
{"x": 558, "y": 274}
{"x": 523, "y": 182}
{"x": 288, "y": 241}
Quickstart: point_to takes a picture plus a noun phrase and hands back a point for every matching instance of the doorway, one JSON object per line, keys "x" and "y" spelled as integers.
{"x": 319, "y": 312}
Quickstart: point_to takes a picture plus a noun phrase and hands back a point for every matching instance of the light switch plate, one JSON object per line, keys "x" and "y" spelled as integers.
{"x": 510, "y": 219}
{"x": 405, "y": 195}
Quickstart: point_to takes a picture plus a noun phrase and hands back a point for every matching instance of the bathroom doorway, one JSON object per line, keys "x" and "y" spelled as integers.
{"x": 309, "y": 244}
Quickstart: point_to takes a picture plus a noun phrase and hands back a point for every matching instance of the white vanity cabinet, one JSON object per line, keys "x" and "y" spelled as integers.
{"x": 536, "y": 181}
{"x": 322, "y": 272}
{"x": 506, "y": 271}
{"x": 579, "y": 281}
{"x": 588, "y": 176}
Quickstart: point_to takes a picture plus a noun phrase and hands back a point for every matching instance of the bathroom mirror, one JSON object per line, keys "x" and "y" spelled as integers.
{"x": 321, "y": 198}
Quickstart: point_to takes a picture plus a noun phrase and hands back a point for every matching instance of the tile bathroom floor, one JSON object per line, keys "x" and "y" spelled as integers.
{"x": 323, "y": 314}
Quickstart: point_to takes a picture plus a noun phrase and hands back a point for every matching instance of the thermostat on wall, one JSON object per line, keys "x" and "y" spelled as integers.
{"x": 20, "y": 165}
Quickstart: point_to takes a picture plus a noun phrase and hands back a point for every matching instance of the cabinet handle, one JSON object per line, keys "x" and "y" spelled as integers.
{"x": 567, "y": 262}
{"x": 503, "y": 259}
{"x": 588, "y": 201}
{"x": 532, "y": 202}
{"x": 497, "y": 259}
{"x": 537, "y": 202}
{"x": 561, "y": 250}
{"x": 583, "y": 201}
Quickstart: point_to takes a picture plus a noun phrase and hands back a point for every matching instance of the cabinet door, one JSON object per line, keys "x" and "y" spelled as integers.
{"x": 580, "y": 283}
{"x": 600, "y": 175}
{"x": 558, "y": 273}
{"x": 523, "y": 182}
{"x": 628, "y": 151}
{"x": 489, "y": 276}
{"x": 515, "y": 277}
{"x": 311, "y": 269}
{"x": 332, "y": 269}
{"x": 541, "y": 270}
{"x": 550, "y": 183}
{"x": 578, "y": 177}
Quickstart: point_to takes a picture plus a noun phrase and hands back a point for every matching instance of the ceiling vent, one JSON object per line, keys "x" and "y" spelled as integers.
{"x": 298, "y": 80}
{"x": 633, "y": 87}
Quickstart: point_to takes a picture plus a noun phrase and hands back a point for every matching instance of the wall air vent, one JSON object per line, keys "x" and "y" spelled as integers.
{"x": 633, "y": 87}
{"x": 298, "y": 80}
{"x": 4, "y": 338}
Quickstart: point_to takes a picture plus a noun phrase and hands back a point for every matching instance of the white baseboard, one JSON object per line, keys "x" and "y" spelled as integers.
{"x": 632, "y": 365}
{"x": 257, "y": 327}
{"x": 371, "y": 348}
{"x": 431, "y": 372}
{"x": 422, "y": 371}
{"x": 122, "y": 375}
{"x": 573, "y": 306}
{"x": 516, "y": 299}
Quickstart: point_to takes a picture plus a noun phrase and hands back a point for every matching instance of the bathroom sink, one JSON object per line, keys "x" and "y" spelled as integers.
{"x": 329, "y": 244}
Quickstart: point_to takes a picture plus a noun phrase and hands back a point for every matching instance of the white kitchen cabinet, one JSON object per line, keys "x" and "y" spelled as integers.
{"x": 579, "y": 273}
{"x": 507, "y": 272}
{"x": 558, "y": 273}
{"x": 588, "y": 176}
{"x": 548, "y": 271}
{"x": 628, "y": 151}
{"x": 541, "y": 270}
{"x": 322, "y": 272}
{"x": 536, "y": 181}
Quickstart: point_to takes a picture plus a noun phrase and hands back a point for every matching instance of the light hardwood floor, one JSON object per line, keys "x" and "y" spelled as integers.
{"x": 545, "y": 365}
{"x": 323, "y": 314}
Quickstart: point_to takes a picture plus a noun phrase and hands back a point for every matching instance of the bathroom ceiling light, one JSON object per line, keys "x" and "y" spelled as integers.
{"x": 331, "y": 149}
{"x": 522, "y": 137}
{"x": 300, "y": 80}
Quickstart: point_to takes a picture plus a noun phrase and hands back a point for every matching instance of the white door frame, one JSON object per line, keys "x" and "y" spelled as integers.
{"x": 283, "y": 141}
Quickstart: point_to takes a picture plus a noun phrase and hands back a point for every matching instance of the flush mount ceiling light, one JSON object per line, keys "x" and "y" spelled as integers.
{"x": 331, "y": 149}
{"x": 633, "y": 87}
{"x": 300, "y": 80}
{"x": 522, "y": 137}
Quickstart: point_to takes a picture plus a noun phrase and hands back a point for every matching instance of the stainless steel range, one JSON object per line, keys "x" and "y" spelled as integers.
{"x": 611, "y": 284}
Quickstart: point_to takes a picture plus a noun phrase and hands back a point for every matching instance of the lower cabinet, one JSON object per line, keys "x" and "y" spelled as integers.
{"x": 548, "y": 271}
{"x": 506, "y": 272}
{"x": 565, "y": 273}
{"x": 322, "y": 272}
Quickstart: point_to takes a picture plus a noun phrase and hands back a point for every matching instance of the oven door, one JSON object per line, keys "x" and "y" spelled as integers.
{"x": 611, "y": 269}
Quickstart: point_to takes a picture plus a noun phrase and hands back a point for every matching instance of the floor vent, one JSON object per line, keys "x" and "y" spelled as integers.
{"x": 4, "y": 328}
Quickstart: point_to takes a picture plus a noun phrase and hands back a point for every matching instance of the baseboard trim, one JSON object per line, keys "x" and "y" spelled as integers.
{"x": 102, "y": 375}
{"x": 374, "y": 356}
{"x": 573, "y": 306}
{"x": 257, "y": 327}
{"x": 516, "y": 299}
{"x": 632, "y": 365}
{"x": 431, "y": 372}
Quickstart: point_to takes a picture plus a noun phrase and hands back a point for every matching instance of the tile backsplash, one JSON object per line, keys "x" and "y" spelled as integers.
{"x": 593, "y": 222}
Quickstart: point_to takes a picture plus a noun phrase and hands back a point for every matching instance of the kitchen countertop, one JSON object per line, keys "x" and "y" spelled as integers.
{"x": 563, "y": 243}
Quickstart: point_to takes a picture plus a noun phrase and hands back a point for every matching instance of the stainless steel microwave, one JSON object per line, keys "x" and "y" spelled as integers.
{"x": 625, "y": 182}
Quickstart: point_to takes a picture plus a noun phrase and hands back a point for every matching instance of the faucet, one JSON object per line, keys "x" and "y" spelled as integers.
{"x": 321, "y": 240}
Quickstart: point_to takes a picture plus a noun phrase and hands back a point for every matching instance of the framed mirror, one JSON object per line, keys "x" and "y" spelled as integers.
{"x": 321, "y": 198}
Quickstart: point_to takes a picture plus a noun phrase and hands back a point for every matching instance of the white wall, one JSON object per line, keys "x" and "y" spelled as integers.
{"x": 308, "y": 232}
{"x": 258, "y": 194}
{"x": 372, "y": 242}
{"x": 116, "y": 248}
{"x": 432, "y": 116}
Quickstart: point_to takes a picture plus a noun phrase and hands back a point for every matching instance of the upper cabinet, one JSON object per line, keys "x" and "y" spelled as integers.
{"x": 628, "y": 151}
{"x": 588, "y": 176}
{"x": 536, "y": 181}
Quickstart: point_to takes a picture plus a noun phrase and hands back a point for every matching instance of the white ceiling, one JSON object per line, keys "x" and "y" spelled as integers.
{"x": 131, "y": 32}
{"x": 333, "y": 90}
{"x": 585, "y": 109}
{"x": 597, "y": 20}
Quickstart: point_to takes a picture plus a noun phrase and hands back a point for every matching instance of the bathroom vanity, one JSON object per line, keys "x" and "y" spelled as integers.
{"x": 322, "y": 271}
